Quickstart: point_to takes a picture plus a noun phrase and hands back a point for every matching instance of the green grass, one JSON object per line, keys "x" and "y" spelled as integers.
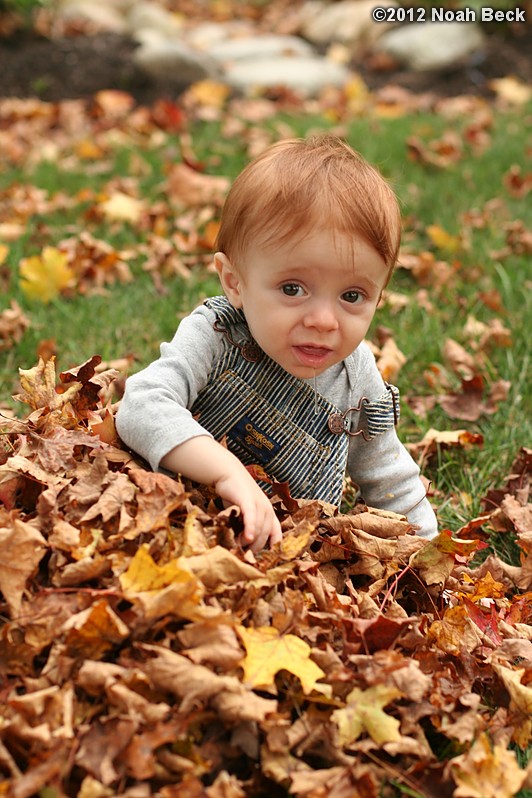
{"x": 132, "y": 319}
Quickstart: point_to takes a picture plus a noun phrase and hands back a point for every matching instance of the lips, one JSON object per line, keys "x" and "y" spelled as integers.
{"x": 310, "y": 355}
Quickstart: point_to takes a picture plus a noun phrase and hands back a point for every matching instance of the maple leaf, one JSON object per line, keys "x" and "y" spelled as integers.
{"x": 520, "y": 694}
{"x": 189, "y": 187}
{"x": 195, "y": 683}
{"x": 30, "y": 547}
{"x": 268, "y": 652}
{"x": 455, "y": 633}
{"x": 487, "y": 623}
{"x": 442, "y": 239}
{"x": 120, "y": 207}
{"x": 163, "y": 589}
{"x": 13, "y": 325}
{"x": 486, "y": 771}
{"x": 38, "y": 386}
{"x": 94, "y": 631}
{"x": 364, "y": 713}
{"x": 44, "y": 276}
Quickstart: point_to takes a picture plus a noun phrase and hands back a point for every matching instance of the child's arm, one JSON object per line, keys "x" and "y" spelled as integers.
{"x": 204, "y": 460}
{"x": 387, "y": 475}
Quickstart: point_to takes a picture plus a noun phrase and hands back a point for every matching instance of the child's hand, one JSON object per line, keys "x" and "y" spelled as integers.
{"x": 261, "y": 525}
{"x": 204, "y": 460}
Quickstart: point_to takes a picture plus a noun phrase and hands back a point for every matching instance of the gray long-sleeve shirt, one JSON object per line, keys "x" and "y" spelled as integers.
{"x": 154, "y": 415}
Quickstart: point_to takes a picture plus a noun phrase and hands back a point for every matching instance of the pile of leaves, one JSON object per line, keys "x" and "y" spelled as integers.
{"x": 144, "y": 652}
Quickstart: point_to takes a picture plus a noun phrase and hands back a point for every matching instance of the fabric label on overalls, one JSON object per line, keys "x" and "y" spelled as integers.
{"x": 251, "y": 437}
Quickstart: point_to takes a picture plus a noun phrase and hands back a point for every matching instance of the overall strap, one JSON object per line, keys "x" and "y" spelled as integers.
{"x": 225, "y": 312}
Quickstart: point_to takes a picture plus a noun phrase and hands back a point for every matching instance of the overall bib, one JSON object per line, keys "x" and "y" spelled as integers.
{"x": 271, "y": 418}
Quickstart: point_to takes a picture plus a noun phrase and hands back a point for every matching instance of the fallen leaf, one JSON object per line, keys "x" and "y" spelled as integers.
{"x": 44, "y": 276}
{"x": 120, "y": 207}
{"x": 364, "y": 712}
{"x": 18, "y": 536}
{"x": 268, "y": 652}
{"x": 487, "y": 771}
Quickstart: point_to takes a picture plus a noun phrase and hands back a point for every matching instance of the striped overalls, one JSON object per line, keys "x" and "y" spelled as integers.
{"x": 271, "y": 418}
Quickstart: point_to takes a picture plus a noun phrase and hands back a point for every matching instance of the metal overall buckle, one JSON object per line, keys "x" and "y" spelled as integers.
{"x": 338, "y": 423}
{"x": 249, "y": 350}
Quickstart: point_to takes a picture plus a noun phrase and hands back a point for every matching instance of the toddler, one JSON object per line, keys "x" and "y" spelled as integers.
{"x": 278, "y": 367}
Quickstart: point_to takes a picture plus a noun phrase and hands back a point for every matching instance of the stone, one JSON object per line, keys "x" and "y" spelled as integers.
{"x": 306, "y": 75}
{"x": 176, "y": 62}
{"x": 259, "y": 47}
{"x": 103, "y": 16}
{"x": 348, "y": 22}
{"x": 149, "y": 16}
{"x": 431, "y": 45}
{"x": 208, "y": 34}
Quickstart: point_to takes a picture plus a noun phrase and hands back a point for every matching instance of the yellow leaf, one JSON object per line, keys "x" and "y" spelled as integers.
{"x": 121, "y": 207}
{"x": 268, "y": 652}
{"x": 520, "y": 694}
{"x": 168, "y": 589}
{"x": 442, "y": 239}
{"x": 209, "y": 92}
{"x": 364, "y": 712}
{"x": 487, "y": 773}
{"x": 94, "y": 631}
{"x": 144, "y": 574}
{"x": 44, "y": 276}
{"x": 511, "y": 89}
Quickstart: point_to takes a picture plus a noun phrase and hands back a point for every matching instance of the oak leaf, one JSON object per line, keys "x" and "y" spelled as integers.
{"x": 44, "y": 276}
{"x": 268, "y": 652}
{"x": 364, "y": 712}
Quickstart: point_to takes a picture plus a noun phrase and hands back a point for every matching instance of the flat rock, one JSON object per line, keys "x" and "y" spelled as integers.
{"x": 348, "y": 21}
{"x": 174, "y": 61}
{"x": 260, "y": 47}
{"x": 431, "y": 45}
{"x": 306, "y": 75}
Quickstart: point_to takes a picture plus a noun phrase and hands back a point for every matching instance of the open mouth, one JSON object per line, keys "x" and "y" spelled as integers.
{"x": 309, "y": 355}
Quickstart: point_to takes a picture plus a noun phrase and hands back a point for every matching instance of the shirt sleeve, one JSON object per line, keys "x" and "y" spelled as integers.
{"x": 382, "y": 468}
{"x": 153, "y": 416}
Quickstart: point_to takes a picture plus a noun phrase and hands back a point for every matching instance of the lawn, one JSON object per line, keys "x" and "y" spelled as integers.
{"x": 460, "y": 173}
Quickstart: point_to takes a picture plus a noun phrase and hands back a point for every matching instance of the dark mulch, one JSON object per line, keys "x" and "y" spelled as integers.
{"x": 79, "y": 66}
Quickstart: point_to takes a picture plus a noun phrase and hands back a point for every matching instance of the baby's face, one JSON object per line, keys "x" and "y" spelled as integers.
{"x": 309, "y": 304}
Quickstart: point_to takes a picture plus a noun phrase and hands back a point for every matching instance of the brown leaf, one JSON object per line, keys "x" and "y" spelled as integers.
{"x": 188, "y": 187}
{"x": 13, "y": 325}
{"x": 192, "y": 683}
{"x": 22, "y": 538}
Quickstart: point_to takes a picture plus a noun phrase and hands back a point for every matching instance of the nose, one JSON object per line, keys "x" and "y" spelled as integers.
{"x": 321, "y": 316}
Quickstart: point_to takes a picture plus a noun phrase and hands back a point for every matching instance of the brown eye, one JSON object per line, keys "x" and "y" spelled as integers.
{"x": 352, "y": 297}
{"x": 291, "y": 289}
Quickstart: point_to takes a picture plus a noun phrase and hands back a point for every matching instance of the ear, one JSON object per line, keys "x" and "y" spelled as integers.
{"x": 229, "y": 278}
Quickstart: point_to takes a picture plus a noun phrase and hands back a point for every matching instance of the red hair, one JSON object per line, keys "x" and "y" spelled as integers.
{"x": 301, "y": 184}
